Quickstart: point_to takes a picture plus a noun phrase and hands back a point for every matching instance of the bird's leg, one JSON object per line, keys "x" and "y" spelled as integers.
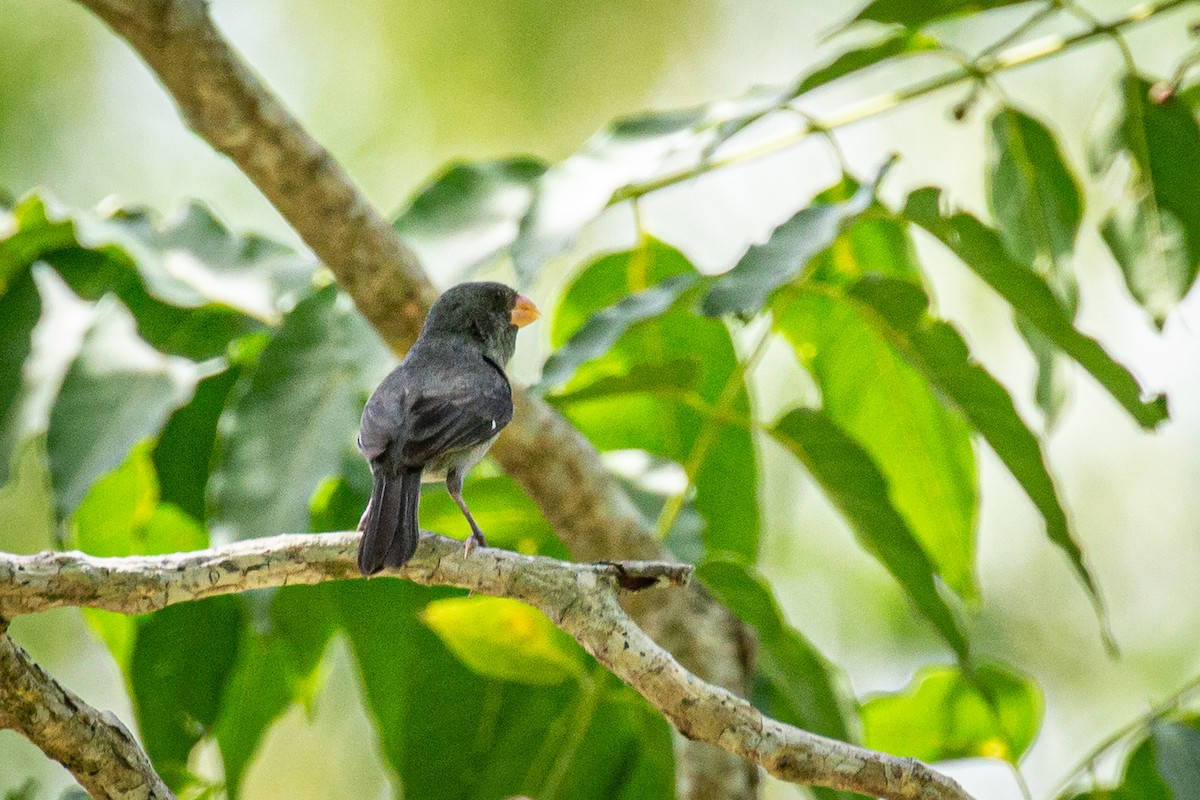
{"x": 454, "y": 482}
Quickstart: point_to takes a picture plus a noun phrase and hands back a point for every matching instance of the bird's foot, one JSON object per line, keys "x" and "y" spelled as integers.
{"x": 474, "y": 540}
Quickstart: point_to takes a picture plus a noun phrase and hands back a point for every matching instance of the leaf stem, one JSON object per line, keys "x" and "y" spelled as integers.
{"x": 709, "y": 430}
{"x": 1086, "y": 764}
{"x": 985, "y": 66}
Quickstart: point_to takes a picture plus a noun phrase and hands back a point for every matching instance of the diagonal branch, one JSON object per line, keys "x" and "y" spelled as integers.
{"x": 97, "y": 749}
{"x": 225, "y": 103}
{"x": 582, "y": 599}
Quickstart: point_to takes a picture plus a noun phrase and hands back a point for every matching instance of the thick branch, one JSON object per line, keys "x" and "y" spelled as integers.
{"x": 580, "y": 598}
{"x": 97, "y": 749}
{"x": 226, "y": 105}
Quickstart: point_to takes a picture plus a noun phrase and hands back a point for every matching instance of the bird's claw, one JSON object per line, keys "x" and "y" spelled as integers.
{"x": 473, "y": 541}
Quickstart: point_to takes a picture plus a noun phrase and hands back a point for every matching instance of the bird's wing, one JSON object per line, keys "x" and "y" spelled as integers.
{"x": 461, "y": 404}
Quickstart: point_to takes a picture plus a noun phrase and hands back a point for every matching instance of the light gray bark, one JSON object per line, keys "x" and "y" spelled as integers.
{"x": 582, "y": 599}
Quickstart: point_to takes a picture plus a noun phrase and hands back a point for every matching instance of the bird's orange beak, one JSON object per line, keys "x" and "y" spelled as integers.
{"x": 524, "y": 312}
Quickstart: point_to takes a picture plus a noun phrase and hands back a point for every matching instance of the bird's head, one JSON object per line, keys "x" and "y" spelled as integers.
{"x": 485, "y": 312}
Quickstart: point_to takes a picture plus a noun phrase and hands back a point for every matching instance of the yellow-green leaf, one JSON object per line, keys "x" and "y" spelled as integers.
{"x": 943, "y": 714}
{"x": 505, "y": 639}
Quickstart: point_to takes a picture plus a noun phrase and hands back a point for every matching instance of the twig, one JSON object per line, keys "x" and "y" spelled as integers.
{"x": 582, "y": 599}
{"x": 1019, "y": 55}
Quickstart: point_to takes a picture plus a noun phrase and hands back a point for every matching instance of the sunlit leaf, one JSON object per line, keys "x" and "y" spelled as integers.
{"x": 852, "y": 482}
{"x": 290, "y": 426}
{"x": 116, "y": 392}
{"x": 117, "y": 507}
{"x": 767, "y": 266}
{"x": 1154, "y": 227}
{"x": 602, "y": 330}
{"x": 505, "y": 639}
{"x": 918, "y": 15}
{"x": 944, "y": 714}
{"x": 805, "y": 685}
{"x": 666, "y": 424}
{"x": 939, "y": 353}
{"x": 27, "y": 518}
{"x": 121, "y": 516}
{"x": 469, "y": 211}
{"x": 894, "y": 44}
{"x": 872, "y": 393}
{"x": 982, "y": 251}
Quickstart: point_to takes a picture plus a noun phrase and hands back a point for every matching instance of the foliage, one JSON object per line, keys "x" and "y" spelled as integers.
{"x": 216, "y": 394}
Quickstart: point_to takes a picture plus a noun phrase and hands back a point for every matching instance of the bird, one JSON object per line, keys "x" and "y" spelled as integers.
{"x": 436, "y": 414}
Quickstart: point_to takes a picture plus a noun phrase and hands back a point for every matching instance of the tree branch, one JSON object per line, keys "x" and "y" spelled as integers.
{"x": 582, "y": 599}
{"x": 224, "y": 103}
{"x": 97, "y": 749}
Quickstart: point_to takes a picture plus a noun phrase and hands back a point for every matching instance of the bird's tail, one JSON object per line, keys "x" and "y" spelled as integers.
{"x": 389, "y": 525}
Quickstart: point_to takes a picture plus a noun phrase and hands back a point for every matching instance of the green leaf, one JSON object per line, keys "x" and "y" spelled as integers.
{"x": 672, "y": 378}
{"x": 181, "y": 305}
{"x": 121, "y": 516}
{"x": 278, "y": 664}
{"x": 290, "y": 426}
{"x": 505, "y": 513}
{"x": 937, "y": 350}
{"x": 1177, "y": 756}
{"x": 897, "y": 43}
{"x": 20, "y": 309}
{"x": 766, "y": 267}
{"x": 183, "y": 454}
{"x": 195, "y": 259}
{"x": 602, "y": 330}
{"x": 27, "y": 520}
{"x": 303, "y": 620}
{"x": 1162, "y": 767}
{"x": 1038, "y": 206}
{"x": 981, "y": 250}
{"x": 256, "y": 693}
{"x": 469, "y": 211}
{"x": 1154, "y": 227}
{"x": 918, "y": 15}
{"x": 889, "y": 407}
{"x": 116, "y": 506}
{"x": 573, "y": 192}
{"x": 449, "y": 732}
{"x": 944, "y": 714}
{"x": 1034, "y": 197}
{"x": 505, "y": 639}
{"x": 112, "y": 396}
{"x": 667, "y": 425}
{"x": 181, "y": 665}
{"x": 859, "y": 491}
{"x": 805, "y": 684}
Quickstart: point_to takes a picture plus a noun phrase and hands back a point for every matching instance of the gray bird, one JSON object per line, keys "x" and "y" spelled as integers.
{"x": 436, "y": 414}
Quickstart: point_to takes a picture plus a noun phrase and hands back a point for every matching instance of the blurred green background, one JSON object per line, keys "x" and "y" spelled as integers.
{"x": 397, "y": 89}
